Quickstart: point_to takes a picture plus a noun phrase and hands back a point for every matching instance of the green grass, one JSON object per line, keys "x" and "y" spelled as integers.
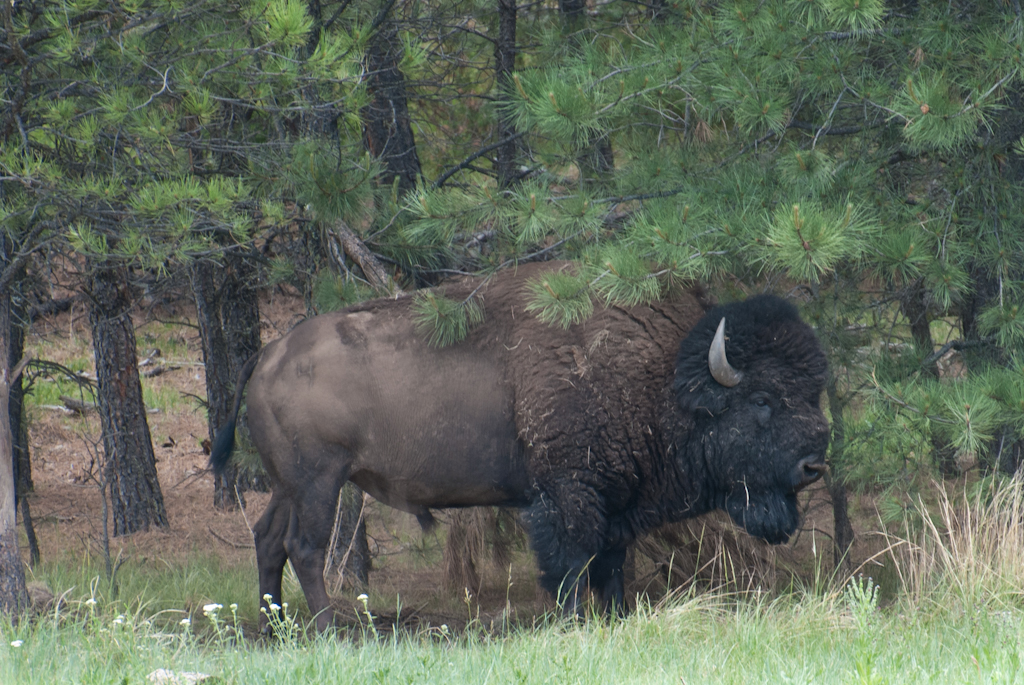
{"x": 165, "y": 336}
{"x": 156, "y": 586}
{"x": 47, "y": 391}
{"x": 704, "y": 639}
{"x": 167, "y": 399}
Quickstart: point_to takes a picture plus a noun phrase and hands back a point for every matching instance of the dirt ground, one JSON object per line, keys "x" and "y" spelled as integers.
{"x": 67, "y": 507}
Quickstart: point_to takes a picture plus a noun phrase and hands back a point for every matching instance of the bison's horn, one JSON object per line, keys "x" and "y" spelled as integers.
{"x": 718, "y": 363}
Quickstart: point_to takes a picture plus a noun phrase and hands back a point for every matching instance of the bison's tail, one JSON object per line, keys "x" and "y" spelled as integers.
{"x": 224, "y": 443}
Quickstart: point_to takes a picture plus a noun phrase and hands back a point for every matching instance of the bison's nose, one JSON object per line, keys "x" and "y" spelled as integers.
{"x": 808, "y": 470}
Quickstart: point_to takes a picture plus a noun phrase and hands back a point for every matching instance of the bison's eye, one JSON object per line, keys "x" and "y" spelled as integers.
{"x": 762, "y": 407}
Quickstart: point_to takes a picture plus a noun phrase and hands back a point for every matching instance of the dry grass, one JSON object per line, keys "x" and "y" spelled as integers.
{"x": 709, "y": 552}
{"x": 968, "y": 547}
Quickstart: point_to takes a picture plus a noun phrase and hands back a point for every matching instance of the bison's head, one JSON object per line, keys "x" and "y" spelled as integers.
{"x": 752, "y": 386}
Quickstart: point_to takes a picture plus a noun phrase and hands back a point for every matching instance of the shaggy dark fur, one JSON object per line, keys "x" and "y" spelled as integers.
{"x": 598, "y": 433}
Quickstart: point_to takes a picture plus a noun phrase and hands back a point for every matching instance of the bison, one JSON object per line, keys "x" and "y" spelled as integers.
{"x": 637, "y": 417}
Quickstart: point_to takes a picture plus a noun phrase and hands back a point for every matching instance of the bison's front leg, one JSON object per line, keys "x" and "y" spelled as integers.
{"x": 607, "y": 582}
{"x": 566, "y": 524}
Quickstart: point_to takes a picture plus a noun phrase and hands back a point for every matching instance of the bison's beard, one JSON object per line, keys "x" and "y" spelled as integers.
{"x": 769, "y": 516}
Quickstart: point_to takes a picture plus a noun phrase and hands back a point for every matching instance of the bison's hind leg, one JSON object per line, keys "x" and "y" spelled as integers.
{"x": 309, "y": 534}
{"x": 269, "y": 534}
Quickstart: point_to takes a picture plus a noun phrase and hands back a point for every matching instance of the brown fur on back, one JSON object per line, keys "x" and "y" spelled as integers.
{"x": 601, "y": 383}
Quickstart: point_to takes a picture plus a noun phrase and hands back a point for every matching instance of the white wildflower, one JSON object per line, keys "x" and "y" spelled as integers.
{"x": 275, "y": 607}
{"x": 185, "y": 622}
{"x": 212, "y": 608}
{"x": 91, "y": 602}
{"x": 363, "y": 597}
{"x": 17, "y": 643}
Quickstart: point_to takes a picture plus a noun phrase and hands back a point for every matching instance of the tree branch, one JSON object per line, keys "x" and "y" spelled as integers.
{"x": 473, "y": 157}
{"x": 341, "y": 8}
{"x": 357, "y": 251}
{"x": 954, "y": 345}
{"x": 19, "y": 259}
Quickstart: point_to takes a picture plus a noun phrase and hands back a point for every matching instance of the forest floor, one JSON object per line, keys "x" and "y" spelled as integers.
{"x": 67, "y": 508}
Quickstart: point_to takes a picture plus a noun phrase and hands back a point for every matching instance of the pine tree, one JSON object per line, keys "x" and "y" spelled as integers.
{"x": 143, "y": 131}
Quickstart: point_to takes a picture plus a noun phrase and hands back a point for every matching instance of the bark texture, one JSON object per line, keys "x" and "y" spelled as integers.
{"x": 842, "y": 528}
{"x": 240, "y": 312}
{"x": 13, "y": 595}
{"x": 387, "y": 131}
{"x": 227, "y": 309}
{"x": 504, "y": 66}
{"x": 19, "y": 427}
{"x": 339, "y": 234}
{"x": 240, "y": 308}
{"x": 914, "y": 306}
{"x": 219, "y": 383}
{"x": 136, "y": 501}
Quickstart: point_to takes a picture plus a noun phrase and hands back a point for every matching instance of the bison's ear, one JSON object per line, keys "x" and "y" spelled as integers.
{"x": 701, "y": 397}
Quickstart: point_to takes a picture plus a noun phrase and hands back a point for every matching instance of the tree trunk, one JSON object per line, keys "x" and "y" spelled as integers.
{"x": 598, "y": 159}
{"x": 227, "y": 308}
{"x": 573, "y": 15}
{"x": 842, "y": 528}
{"x": 915, "y": 308}
{"x": 135, "y": 497}
{"x": 240, "y": 313}
{"x": 387, "y": 132}
{"x": 504, "y": 66}
{"x": 13, "y": 595}
{"x": 19, "y": 427}
{"x": 339, "y": 234}
{"x": 240, "y": 310}
{"x": 219, "y": 382}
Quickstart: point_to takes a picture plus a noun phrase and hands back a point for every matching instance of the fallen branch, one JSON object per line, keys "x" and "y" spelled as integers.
{"x": 236, "y": 545}
{"x": 357, "y": 251}
{"x": 57, "y": 407}
{"x": 77, "y": 406}
{"x": 158, "y": 370}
